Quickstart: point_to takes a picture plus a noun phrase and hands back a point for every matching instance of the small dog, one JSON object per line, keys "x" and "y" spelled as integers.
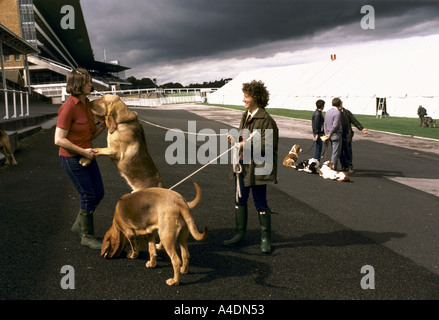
{"x": 5, "y": 146}
{"x": 146, "y": 211}
{"x": 327, "y": 172}
{"x": 428, "y": 122}
{"x": 310, "y": 166}
{"x": 290, "y": 159}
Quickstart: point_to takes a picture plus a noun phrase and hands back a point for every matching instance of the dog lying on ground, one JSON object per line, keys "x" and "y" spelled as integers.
{"x": 290, "y": 159}
{"x": 126, "y": 143}
{"x": 310, "y": 166}
{"x": 6, "y": 149}
{"x": 428, "y": 122}
{"x": 143, "y": 212}
{"x": 326, "y": 171}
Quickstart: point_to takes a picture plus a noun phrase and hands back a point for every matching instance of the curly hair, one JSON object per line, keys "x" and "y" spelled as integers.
{"x": 76, "y": 79}
{"x": 258, "y": 91}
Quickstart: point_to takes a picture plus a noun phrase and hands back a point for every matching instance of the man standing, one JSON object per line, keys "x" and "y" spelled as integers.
{"x": 422, "y": 112}
{"x": 333, "y": 130}
{"x": 317, "y": 128}
{"x": 346, "y": 156}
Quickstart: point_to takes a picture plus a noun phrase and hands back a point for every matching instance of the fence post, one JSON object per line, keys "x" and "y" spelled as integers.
{"x": 27, "y": 103}
{"x": 21, "y": 104}
{"x": 15, "y": 104}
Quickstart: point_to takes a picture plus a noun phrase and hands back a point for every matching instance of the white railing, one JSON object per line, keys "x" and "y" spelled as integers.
{"x": 136, "y": 97}
{"x": 142, "y": 102}
{"x": 24, "y": 101}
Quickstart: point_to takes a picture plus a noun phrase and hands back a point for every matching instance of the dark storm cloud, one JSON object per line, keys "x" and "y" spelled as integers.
{"x": 168, "y": 31}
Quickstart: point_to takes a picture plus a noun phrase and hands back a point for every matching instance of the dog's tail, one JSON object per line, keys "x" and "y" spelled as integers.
{"x": 188, "y": 218}
{"x": 197, "y": 199}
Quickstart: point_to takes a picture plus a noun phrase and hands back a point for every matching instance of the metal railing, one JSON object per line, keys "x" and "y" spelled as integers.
{"x": 145, "y": 97}
{"x": 24, "y": 102}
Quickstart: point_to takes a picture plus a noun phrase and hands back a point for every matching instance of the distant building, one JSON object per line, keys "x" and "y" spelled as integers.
{"x": 57, "y": 30}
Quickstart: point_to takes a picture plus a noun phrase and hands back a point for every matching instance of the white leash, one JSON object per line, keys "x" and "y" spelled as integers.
{"x": 236, "y": 145}
{"x": 178, "y": 130}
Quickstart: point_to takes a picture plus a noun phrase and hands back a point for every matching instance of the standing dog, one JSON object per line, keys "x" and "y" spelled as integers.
{"x": 290, "y": 159}
{"x": 327, "y": 172}
{"x": 5, "y": 146}
{"x": 126, "y": 143}
{"x": 143, "y": 212}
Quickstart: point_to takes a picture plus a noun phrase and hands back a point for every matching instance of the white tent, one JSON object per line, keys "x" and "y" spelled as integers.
{"x": 404, "y": 71}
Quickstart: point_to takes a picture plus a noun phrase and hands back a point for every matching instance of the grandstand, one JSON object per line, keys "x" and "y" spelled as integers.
{"x": 57, "y": 50}
{"x": 400, "y": 73}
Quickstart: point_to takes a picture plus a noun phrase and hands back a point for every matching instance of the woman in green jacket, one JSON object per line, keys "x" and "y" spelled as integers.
{"x": 257, "y": 163}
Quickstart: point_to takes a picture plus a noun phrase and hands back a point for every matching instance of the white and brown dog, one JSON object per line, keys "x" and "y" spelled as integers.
{"x": 290, "y": 159}
{"x": 327, "y": 172}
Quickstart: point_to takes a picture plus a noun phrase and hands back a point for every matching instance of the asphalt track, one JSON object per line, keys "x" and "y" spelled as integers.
{"x": 325, "y": 232}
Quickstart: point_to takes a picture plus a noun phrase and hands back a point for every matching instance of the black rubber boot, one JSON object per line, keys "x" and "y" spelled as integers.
{"x": 241, "y": 216}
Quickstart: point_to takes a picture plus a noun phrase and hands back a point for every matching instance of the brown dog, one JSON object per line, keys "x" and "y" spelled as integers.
{"x": 143, "y": 212}
{"x": 428, "y": 122}
{"x": 290, "y": 159}
{"x": 126, "y": 143}
{"x": 5, "y": 146}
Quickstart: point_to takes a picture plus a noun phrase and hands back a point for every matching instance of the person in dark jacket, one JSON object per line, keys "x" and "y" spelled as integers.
{"x": 422, "y": 112}
{"x": 346, "y": 155}
{"x": 317, "y": 128}
{"x": 257, "y": 165}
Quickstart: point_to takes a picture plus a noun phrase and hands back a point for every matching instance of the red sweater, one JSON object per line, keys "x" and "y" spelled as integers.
{"x": 78, "y": 119}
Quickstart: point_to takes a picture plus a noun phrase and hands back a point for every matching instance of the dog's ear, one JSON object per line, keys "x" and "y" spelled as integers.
{"x": 123, "y": 113}
{"x": 113, "y": 244}
{"x": 106, "y": 244}
{"x": 110, "y": 123}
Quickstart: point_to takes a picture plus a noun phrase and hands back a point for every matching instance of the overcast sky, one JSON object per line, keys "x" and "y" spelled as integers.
{"x": 190, "y": 41}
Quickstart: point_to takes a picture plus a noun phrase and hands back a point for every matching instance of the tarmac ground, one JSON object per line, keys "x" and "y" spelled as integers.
{"x": 374, "y": 238}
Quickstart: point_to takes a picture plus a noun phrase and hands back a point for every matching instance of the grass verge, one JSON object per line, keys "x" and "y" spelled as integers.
{"x": 400, "y": 125}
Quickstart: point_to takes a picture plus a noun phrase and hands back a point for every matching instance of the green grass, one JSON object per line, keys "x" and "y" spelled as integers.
{"x": 405, "y": 126}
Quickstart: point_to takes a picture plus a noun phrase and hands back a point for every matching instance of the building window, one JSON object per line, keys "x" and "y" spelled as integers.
{"x": 17, "y": 57}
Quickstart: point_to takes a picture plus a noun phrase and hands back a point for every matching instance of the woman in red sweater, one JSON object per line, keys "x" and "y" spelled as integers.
{"x": 75, "y": 131}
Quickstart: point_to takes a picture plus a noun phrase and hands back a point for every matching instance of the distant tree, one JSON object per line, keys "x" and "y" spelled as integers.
{"x": 210, "y": 84}
{"x": 142, "y": 83}
{"x": 172, "y": 85}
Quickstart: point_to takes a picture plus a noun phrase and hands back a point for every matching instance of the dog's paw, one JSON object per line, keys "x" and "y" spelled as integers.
{"x": 172, "y": 282}
{"x": 132, "y": 255}
{"x": 184, "y": 269}
{"x": 84, "y": 162}
{"x": 151, "y": 264}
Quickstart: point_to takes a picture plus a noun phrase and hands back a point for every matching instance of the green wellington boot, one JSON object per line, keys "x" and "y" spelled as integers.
{"x": 76, "y": 227}
{"x": 265, "y": 224}
{"x": 87, "y": 230}
{"x": 241, "y": 216}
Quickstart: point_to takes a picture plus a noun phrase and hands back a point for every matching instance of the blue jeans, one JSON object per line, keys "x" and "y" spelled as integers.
{"x": 87, "y": 180}
{"x": 259, "y": 193}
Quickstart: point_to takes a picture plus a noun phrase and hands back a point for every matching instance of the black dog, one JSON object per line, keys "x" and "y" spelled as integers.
{"x": 311, "y": 166}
